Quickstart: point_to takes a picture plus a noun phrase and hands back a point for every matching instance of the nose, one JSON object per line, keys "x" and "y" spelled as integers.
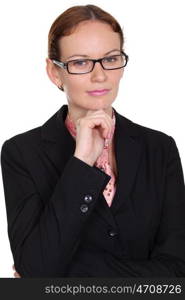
{"x": 98, "y": 73}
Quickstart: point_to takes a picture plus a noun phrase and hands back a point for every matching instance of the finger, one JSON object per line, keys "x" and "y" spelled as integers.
{"x": 108, "y": 125}
{"x": 93, "y": 122}
{"x": 13, "y": 267}
{"x": 102, "y": 114}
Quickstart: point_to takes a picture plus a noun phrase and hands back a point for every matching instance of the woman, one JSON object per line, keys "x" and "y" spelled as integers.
{"x": 90, "y": 193}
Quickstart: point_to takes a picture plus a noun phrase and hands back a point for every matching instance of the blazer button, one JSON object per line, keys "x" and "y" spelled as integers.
{"x": 84, "y": 208}
{"x": 112, "y": 233}
{"x": 88, "y": 198}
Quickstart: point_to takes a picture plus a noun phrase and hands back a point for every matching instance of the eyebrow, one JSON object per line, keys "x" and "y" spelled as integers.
{"x": 83, "y": 55}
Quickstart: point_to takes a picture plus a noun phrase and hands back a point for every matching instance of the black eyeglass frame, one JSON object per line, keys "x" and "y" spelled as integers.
{"x": 64, "y": 65}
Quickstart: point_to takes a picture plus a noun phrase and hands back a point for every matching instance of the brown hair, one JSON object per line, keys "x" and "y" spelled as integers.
{"x": 66, "y": 23}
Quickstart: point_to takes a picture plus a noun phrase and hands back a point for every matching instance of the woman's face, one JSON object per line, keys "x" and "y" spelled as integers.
{"x": 92, "y": 39}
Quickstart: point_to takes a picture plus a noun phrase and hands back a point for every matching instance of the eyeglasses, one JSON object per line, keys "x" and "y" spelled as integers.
{"x": 84, "y": 66}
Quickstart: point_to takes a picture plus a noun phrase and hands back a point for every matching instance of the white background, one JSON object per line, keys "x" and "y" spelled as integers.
{"x": 152, "y": 90}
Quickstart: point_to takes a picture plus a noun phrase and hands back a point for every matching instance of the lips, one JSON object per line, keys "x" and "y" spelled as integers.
{"x": 98, "y": 92}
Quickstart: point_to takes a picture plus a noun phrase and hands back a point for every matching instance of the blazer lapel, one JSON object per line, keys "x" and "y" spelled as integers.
{"x": 58, "y": 144}
{"x": 128, "y": 149}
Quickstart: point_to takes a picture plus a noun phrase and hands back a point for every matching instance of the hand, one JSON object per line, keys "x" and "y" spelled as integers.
{"x": 91, "y": 131}
{"x": 16, "y": 275}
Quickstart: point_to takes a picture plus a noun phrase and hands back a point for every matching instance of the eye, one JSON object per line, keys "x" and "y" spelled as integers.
{"x": 80, "y": 63}
{"x": 110, "y": 59}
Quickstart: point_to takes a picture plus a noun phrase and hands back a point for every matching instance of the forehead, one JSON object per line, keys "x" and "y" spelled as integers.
{"x": 91, "y": 38}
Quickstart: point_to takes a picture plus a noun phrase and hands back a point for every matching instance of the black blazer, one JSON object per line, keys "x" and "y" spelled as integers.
{"x": 59, "y": 223}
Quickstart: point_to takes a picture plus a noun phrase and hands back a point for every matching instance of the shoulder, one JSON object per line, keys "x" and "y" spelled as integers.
{"x": 156, "y": 139}
{"x": 137, "y": 129}
{"x": 25, "y": 140}
{"x": 151, "y": 134}
{"x": 32, "y": 138}
{"x": 151, "y": 138}
{"x": 156, "y": 143}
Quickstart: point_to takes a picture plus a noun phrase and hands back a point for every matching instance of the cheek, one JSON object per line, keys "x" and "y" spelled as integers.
{"x": 76, "y": 84}
{"x": 116, "y": 78}
{"x": 74, "y": 87}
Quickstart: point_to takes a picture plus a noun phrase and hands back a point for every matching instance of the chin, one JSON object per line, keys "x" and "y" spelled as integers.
{"x": 98, "y": 106}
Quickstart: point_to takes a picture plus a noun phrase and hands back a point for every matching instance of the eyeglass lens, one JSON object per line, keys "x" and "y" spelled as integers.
{"x": 86, "y": 65}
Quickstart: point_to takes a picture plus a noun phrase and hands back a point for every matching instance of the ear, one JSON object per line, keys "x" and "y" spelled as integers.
{"x": 53, "y": 73}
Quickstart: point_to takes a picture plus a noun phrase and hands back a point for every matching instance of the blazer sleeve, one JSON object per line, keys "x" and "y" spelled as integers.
{"x": 44, "y": 238}
{"x": 167, "y": 258}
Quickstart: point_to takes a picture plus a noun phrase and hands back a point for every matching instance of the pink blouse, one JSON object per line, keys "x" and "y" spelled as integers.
{"x": 102, "y": 162}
